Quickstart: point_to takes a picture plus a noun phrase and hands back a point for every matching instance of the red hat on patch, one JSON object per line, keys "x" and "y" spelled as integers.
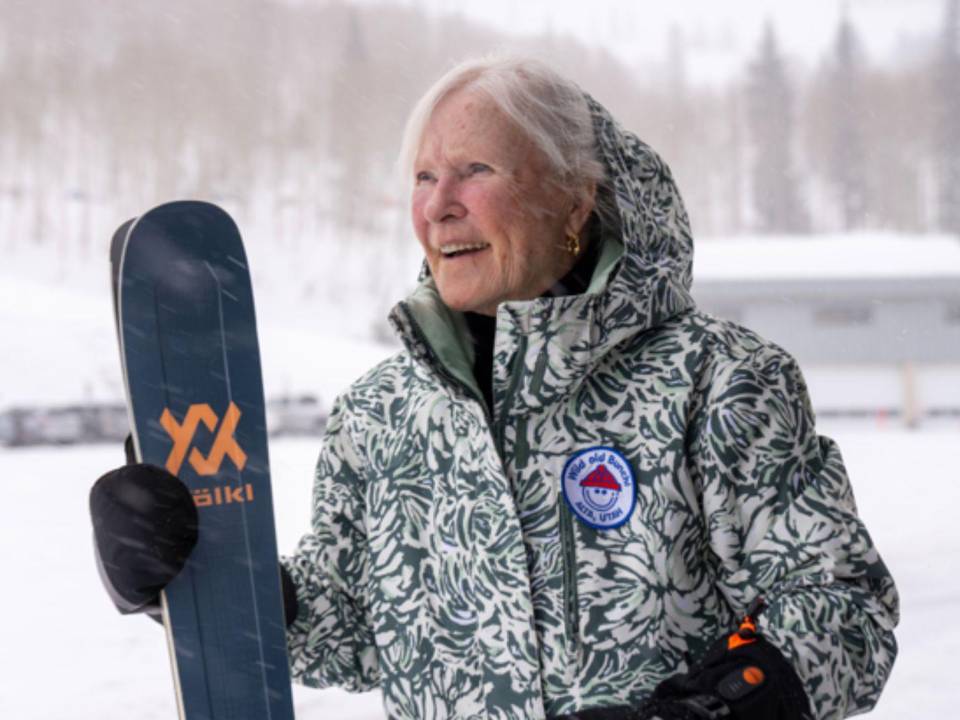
{"x": 601, "y": 478}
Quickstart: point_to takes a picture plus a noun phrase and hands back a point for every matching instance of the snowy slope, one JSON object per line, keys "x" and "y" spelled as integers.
{"x": 67, "y": 654}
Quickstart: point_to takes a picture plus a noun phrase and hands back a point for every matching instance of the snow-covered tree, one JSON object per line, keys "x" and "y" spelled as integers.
{"x": 776, "y": 190}
{"x": 946, "y": 150}
{"x": 847, "y": 157}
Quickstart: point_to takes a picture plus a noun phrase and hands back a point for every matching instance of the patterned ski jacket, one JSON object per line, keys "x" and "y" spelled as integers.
{"x": 645, "y": 472}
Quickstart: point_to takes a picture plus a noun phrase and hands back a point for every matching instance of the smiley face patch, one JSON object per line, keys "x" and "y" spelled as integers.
{"x": 600, "y": 488}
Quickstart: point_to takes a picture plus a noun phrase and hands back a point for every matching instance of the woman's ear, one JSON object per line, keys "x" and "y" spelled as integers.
{"x": 583, "y": 204}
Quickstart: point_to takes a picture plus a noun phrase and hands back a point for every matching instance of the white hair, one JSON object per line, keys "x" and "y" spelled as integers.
{"x": 550, "y": 109}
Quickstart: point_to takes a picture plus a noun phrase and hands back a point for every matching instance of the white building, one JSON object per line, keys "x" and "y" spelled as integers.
{"x": 873, "y": 319}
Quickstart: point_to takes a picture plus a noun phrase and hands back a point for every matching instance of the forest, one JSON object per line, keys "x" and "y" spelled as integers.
{"x": 290, "y": 115}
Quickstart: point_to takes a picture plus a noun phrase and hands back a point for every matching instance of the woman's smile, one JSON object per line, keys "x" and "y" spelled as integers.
{"x": 451, "y": 251}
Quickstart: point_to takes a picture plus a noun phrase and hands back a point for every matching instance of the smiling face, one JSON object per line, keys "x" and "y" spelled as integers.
{"x": 491, "y": 221}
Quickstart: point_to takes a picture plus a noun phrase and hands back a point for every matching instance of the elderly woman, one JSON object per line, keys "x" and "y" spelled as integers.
{"x": 572, "y": 493}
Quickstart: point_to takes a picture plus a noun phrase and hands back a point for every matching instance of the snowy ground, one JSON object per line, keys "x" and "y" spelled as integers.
{"x": 67, "y": 654}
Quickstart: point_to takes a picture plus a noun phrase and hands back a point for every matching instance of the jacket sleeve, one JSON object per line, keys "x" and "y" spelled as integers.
{"x": 331, "y": 641}
{"x": 782, "y": 523}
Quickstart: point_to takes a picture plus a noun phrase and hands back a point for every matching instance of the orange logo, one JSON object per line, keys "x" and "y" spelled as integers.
{"x": 223, "y": 445}
{"x": 205, "y": 497}
{"x": 753, "y": 675}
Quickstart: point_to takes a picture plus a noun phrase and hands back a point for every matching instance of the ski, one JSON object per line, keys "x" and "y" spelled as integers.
{"x": 185, "y": 319}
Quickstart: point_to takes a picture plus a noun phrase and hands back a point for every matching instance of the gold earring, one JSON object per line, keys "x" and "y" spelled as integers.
{"x": 572, "y": 245}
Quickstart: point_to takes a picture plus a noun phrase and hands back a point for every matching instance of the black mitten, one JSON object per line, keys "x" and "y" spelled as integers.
{"x": 144, "y": 527}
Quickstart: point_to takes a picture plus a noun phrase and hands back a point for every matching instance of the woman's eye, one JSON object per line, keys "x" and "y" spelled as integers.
{"x": 479, "y": 168}
{"x": 423, "y": 176}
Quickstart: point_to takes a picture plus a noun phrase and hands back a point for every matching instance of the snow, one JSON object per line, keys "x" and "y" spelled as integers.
{"x": 56, "y": 318}
{"x": 827, "y": 256}
{"x": 67, "y": 653}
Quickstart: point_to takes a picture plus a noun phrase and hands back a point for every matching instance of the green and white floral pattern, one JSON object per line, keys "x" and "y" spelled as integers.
{"x": 445, "y": 567}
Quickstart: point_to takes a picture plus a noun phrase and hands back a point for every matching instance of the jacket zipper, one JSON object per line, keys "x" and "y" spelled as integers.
{"x": 571, "y": 618}
{"x": 571, "y": 611}
{"x": 567, "y": 538}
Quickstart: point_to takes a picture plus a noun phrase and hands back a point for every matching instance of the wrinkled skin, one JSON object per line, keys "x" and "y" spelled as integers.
{"x": 480, "y": 180}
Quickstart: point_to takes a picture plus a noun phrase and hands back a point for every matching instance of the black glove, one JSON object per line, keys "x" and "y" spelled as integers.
{"x": 742, "y": 677}
{"x": 144, "y": 527}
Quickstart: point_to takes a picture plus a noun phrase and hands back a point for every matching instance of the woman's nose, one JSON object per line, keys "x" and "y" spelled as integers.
{"x": 444, "y": 202}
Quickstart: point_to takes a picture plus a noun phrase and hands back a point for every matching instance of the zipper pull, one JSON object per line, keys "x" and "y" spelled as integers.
{"x": 756, "y": 607}
{"x": 747, "y": 632}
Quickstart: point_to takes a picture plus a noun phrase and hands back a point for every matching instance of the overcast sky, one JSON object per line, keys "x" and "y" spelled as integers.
{"x": 719, "y": 34}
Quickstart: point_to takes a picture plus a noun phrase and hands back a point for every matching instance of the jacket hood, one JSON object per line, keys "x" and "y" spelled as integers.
{"x": 653, "y": 224}
{"x": 643, "y": 278}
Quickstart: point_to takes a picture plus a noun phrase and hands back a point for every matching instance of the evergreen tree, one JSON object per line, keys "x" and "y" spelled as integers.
{"x": 353, "y": 104}
{"x": 770, "y": 118}
{"x": 847, "y": 157}
{"x": 946, "y": 151}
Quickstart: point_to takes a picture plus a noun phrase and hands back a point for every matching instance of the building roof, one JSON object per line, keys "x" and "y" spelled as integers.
{"x": 867, "y": 255}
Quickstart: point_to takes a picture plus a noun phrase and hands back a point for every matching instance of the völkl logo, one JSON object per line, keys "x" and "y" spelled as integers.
{"x": 224, "y": 445}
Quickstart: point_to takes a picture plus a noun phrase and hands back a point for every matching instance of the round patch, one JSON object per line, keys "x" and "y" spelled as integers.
{"x": 599, "y": 487}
